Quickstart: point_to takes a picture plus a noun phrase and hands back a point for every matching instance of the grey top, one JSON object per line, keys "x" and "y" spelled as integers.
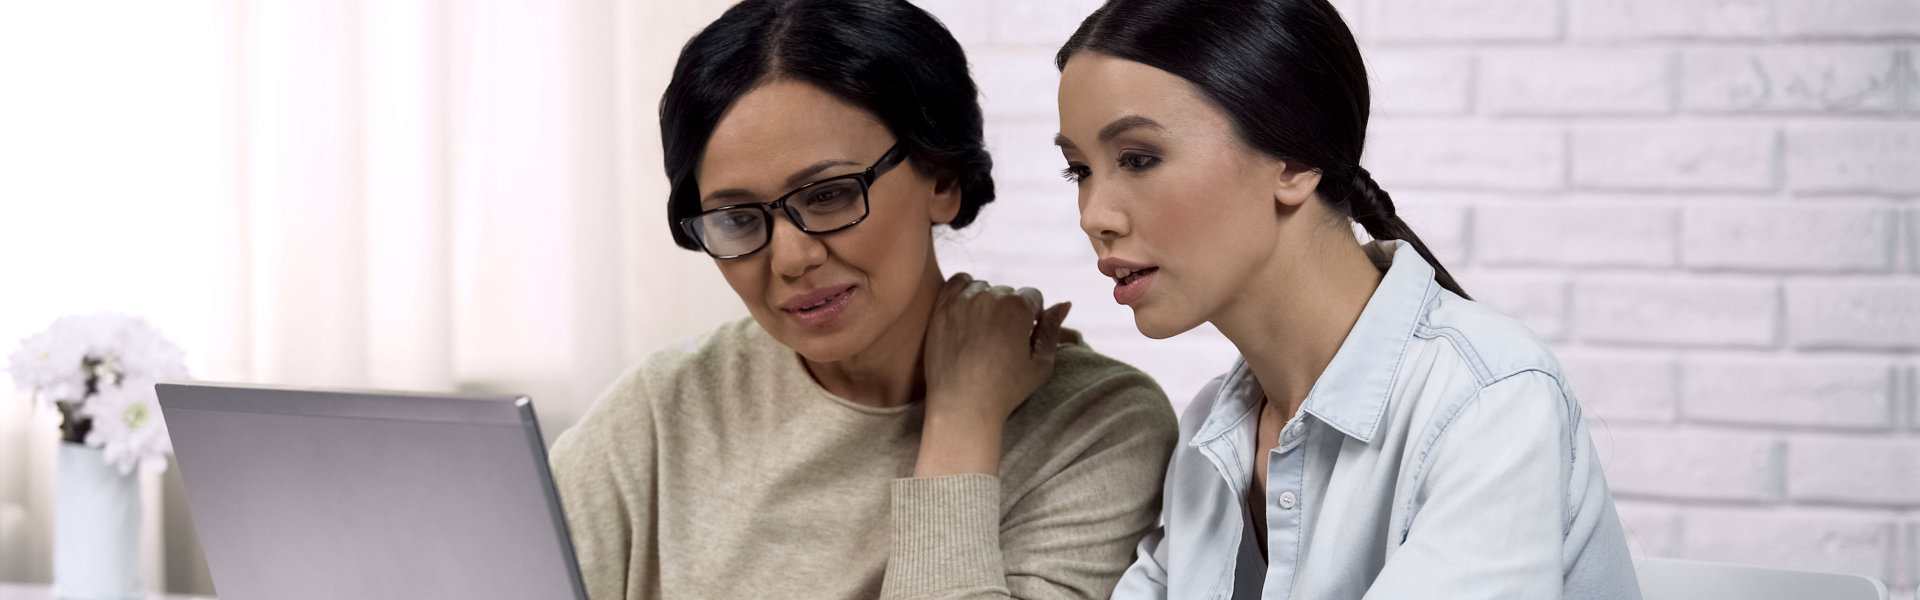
{"x": 723, "y": 470}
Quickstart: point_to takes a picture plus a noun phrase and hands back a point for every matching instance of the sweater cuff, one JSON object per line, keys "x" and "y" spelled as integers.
{"x": 946, "y": 537}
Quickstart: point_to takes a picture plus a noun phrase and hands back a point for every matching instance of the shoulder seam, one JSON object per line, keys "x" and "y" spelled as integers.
{"x": 1444, "y": 423}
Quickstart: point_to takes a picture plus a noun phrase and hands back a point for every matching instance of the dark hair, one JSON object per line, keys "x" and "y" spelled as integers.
{"x": 887, "y": 57}
{"x": 1287, "y": 73}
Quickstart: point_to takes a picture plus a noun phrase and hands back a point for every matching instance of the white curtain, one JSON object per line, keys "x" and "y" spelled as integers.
{"x": 418, "y": 194}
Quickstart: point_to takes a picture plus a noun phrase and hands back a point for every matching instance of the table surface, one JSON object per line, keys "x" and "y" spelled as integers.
{"x": 31, "y": 591}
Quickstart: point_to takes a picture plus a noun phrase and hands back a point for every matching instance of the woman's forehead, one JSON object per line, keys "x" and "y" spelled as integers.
{"x": 783, "y": 127}
{"x": 1096, "y": 90}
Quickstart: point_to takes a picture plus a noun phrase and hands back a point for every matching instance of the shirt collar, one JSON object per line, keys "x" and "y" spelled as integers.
{"x": 1353, "y": 393}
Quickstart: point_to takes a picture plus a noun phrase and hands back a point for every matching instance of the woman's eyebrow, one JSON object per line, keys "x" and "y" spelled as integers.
{"x": 807, "y": 174}
{"x": 1125, "y": 124}
{"x": 797, "y": 178}
{"x": 1112, "y": 130}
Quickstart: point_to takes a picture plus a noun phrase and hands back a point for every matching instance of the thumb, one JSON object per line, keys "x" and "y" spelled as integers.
{"x": 1046, "y": 334}
{"x": 951, "y": 288}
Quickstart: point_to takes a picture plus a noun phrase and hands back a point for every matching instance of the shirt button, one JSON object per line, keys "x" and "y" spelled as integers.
{"x": 1286, "y": 500}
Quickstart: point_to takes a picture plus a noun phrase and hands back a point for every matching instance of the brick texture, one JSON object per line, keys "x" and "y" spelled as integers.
{"x": 1674, "y": 157}
{"x": 1688, "y": 464}
{"x": 1859, "y": 543}
{"x": 1838, "y": 79}
{"x": 1840, "y": 393}
{"x": 1670, "y": 19}
{"x": 1598, "y": 234}
{"x": 1854, "y": 157}
{"x": 1789, "y": 237}
{"x": 1854, "y": 471}
{"x": 1848, "y": 313}
{"x": 1852, "y": 18}
{"x": 1431, "y": 21}
{"x": 1568, "y": 82}
{"x": 1676, "y": 311}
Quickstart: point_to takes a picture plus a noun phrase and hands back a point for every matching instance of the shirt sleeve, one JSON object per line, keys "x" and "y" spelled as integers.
{"x": 1491, "y": 511}
{"x": 1070, "y": 536}
{"x": 1147, "y": 578}
{"x": 606, "y": 491}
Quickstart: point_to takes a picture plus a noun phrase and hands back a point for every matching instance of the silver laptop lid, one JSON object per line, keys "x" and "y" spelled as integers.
{"x": 310, "y": 494}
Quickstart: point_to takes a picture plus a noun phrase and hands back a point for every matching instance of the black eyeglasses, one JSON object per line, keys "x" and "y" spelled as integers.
{"x": 824, "y": 206}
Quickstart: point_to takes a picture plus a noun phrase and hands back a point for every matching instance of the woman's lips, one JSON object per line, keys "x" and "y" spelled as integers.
{"x": 819, "y": 308}
{"x": 1129, "y": 285}
{"x": 1130, "y": 279}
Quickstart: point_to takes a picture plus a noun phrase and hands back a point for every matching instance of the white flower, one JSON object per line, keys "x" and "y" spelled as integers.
{"x": 128, "y": 426}
{"x": 131, "y": 357}
{"x": 49, "y": 364}
{"x": 138, "y": 352}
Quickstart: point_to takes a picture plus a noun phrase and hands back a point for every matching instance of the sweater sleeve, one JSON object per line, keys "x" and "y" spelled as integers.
{"x": 606, "y": 486}
{"x": 1068, "y": 536}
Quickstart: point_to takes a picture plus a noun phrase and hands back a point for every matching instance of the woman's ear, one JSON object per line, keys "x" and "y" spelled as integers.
{"x": 1293, "y": 185}
{"x": 945, "y": 205}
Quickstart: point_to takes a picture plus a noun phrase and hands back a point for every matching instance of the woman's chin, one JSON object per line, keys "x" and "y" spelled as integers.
{"x": 822, "y": 347}
{"x": 1155, "y": 324}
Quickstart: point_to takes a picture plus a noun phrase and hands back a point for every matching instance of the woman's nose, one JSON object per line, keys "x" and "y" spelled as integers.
{"x": 794, "y": 252}
{"x": 1101, "y": 217}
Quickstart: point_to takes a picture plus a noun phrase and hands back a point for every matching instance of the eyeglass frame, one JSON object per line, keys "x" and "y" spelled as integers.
{"x": 892, "y": 158}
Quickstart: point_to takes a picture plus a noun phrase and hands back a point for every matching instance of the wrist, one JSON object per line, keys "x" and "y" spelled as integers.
{"x": 953, "y": 444}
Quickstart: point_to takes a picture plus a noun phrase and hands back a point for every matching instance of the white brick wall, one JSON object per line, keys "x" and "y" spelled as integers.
{"x": 1848, "y": 393}
{"x": 1675, "y": 310}
{"x": 1849, "y": 19}
{"x": 1823, "y": 78}
{"x": 1677, "y": 19}
{"x": 1710, "y": 207}
{"x": 1813, "y": 539}
{"x": 1756, "y": 236}
{"x": 1851, "y": 156}
{"x": 1674, "y": 156}
{"x": 1604, "y": 233}
{"x": 1529, "y": 81}
{"x": 1422, "y": 81}
{"x": 1428, "y": 21}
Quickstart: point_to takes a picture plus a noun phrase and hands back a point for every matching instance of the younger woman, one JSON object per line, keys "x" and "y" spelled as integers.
{"x": 1384, "y": 435}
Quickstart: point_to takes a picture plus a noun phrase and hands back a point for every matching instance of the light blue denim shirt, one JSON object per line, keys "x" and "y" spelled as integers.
{"x": 1440, "y": 455}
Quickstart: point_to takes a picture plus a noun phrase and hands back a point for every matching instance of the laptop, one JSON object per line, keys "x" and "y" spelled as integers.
{"x": 302, "y": 494}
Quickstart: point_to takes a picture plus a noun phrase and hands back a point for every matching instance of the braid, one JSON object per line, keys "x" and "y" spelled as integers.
{"x": 1372, "y": 208}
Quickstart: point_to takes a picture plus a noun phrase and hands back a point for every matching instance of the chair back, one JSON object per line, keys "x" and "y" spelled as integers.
{"x": 1674, "y": 579}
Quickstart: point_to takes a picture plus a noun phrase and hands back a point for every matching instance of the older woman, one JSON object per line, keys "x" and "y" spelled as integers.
{"x": 875, "y": 428}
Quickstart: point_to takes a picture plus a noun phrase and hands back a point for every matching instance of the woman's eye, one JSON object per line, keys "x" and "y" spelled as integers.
{"x": 1138, "y": 162}
{"x": 827, "y": 196}
{"x": 1075, "y": 172}
{"x": 831, "y": 198}
{"x": 739, "y": 223}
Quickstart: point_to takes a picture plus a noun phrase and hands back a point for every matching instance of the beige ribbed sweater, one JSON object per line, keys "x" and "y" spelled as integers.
{"x": 722, "y": 470}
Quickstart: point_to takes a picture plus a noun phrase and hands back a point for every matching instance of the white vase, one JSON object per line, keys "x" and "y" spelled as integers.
{"x": 96, "y": 528}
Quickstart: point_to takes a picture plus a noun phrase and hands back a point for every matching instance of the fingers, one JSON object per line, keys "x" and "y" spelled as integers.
{"x": 953, "y": 287}
{"x": 974, "y": 288}
{"x": 1033, "y": 298}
